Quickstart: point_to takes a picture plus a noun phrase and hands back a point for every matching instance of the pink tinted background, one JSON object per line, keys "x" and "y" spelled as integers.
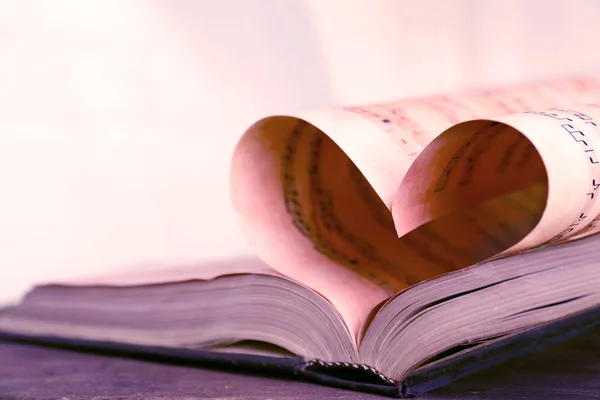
{"x": 118, "y": 117}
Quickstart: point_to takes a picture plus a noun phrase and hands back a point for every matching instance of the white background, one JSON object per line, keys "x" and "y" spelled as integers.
{"x": 118, "y": 117}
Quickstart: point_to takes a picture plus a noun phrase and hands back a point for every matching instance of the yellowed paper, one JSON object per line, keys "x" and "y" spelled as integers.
{"x": 323, "y": 196}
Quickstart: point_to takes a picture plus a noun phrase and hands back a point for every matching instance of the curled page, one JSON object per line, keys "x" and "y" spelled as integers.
{"x": 323, "y": 196}
{"x": 506, "y": 184}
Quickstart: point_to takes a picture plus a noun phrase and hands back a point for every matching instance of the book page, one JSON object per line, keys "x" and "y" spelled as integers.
{"x": 321, "y": 195}
{"x": 507, "y": 184}
{"x": 171, "y": 271}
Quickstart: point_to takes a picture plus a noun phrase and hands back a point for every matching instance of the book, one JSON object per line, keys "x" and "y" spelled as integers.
{"x": 399, "y": 246}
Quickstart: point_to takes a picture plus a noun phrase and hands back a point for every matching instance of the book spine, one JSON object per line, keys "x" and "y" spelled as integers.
{"x": 324, "y": 366}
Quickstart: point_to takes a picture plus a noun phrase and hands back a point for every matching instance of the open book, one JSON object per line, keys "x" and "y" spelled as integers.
{"x": 397, "y": 240}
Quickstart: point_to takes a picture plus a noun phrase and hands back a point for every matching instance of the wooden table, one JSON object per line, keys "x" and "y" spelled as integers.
{"x": 568, "y": 371}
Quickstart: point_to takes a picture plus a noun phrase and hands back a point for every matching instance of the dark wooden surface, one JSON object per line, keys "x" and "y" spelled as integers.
{"x": 568, "y": 371}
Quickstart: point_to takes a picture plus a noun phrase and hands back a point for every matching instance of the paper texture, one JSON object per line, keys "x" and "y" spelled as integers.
{"x": 170, "y": 271}
{"x": 359, "y": 203}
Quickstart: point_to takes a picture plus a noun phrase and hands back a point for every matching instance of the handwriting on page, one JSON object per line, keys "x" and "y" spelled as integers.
{"x": 471, "y": 163}
{"x": 332, "y": 204}
{"x": 310, "y": 203}
{"x": 379, "y": 212}
{"x": 413, "y": 123}
{"x": 293, "y": 195}
{"x": 574, "y": 124}
{"x": 489, "y": 152}
{"x": 478, "y": 161}
{"x": 392, "y": 124}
